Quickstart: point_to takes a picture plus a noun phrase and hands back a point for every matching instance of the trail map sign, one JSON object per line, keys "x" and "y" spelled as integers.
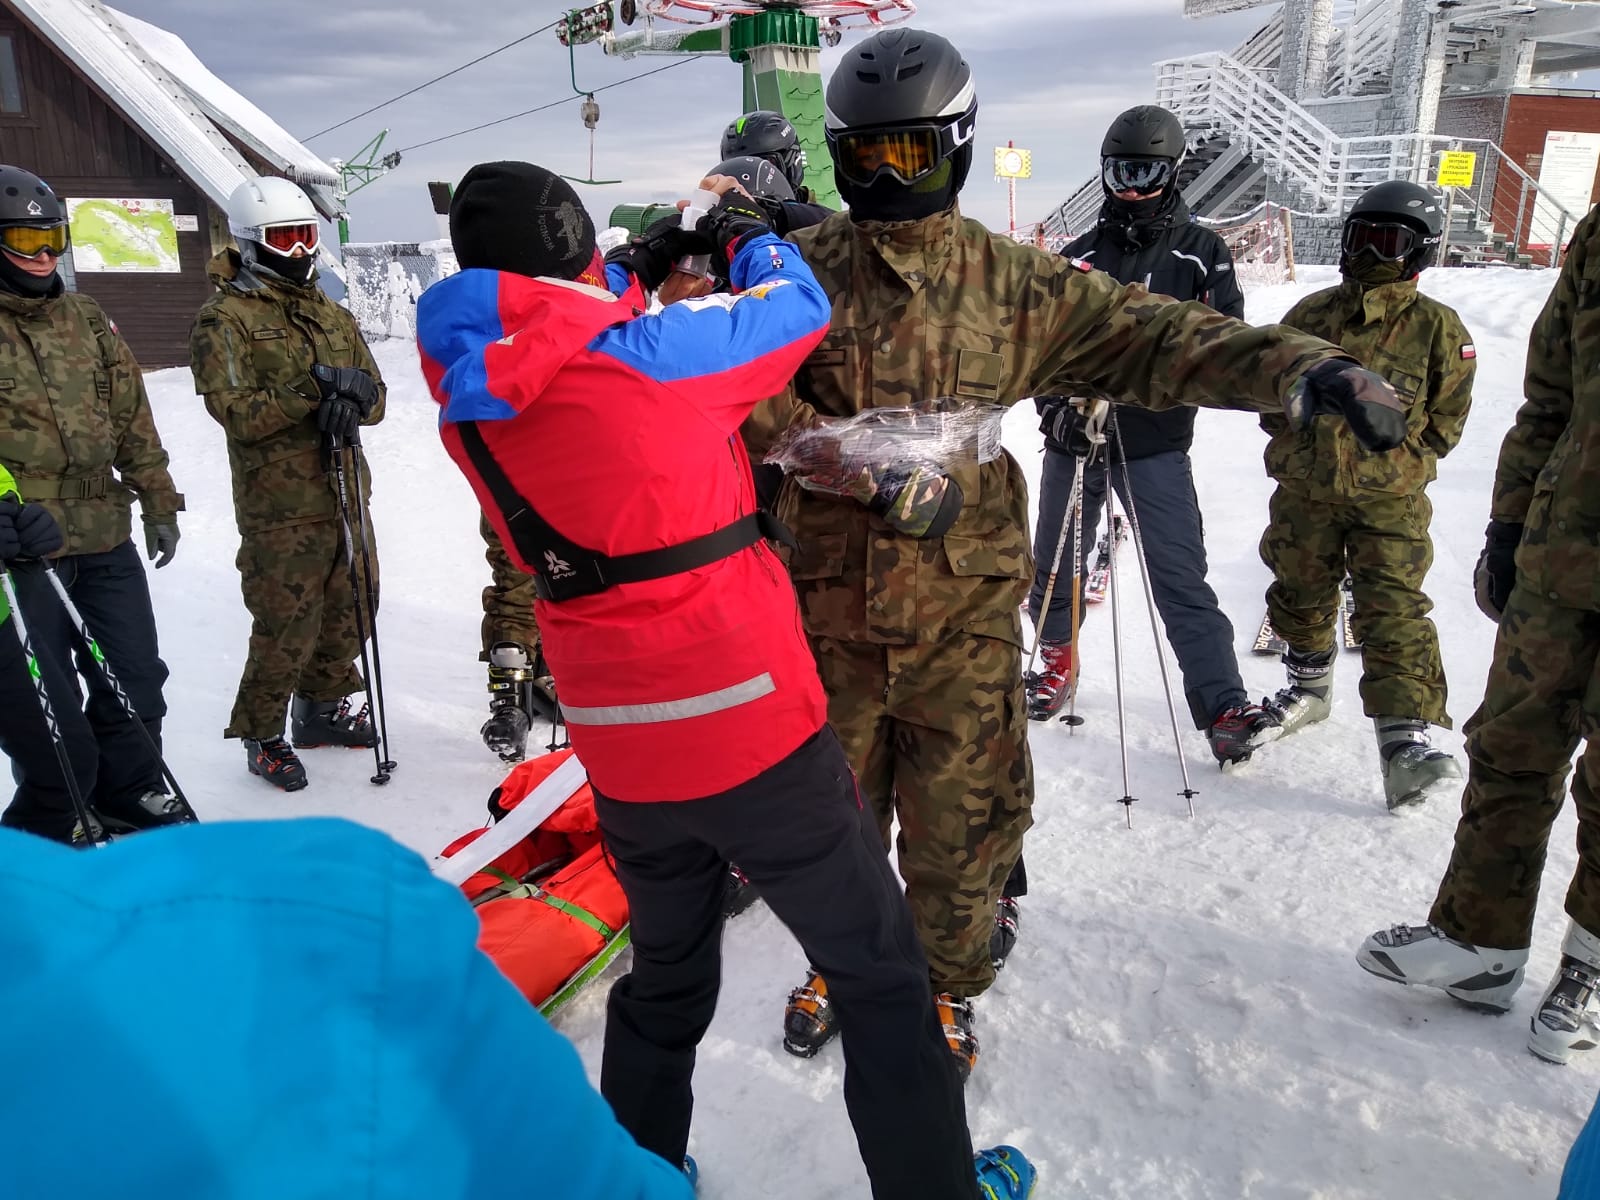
{"x": 124, "y": 235}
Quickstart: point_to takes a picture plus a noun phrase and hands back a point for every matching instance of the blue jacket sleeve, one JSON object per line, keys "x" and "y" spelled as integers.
{"x": 1581, "y": 1179}
{"x": 726, "y": 353}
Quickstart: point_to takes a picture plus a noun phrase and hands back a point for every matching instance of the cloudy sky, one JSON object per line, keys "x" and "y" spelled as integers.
{"x": 1050, "y": 73}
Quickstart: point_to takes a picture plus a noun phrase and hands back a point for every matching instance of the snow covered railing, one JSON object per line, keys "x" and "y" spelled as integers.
{"x": 1361, "y": 50}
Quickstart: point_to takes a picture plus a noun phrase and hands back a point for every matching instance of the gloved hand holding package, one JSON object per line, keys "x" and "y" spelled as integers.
{"x": 897, "y": 462}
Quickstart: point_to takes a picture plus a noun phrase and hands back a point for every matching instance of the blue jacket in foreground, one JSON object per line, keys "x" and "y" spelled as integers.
{"x": 278, "y": 1010}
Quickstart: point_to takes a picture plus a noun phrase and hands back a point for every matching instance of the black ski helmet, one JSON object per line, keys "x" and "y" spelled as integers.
{"x": 1144, "y": 131}
{"x": 903, "y": 79}
{"x": 1409, "y": 204}
{"x": 763, "y": 133}
{"x": 757, "y": 176}
{"x": 25, "y": 199}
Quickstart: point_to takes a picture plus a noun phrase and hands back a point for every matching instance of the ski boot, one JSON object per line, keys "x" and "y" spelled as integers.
{"x": 80, "y": 839}
{"x": 1309, "y": 696}
{"x": 315, "y": 723}
{"x": 809, "y": 1019}
{"x": 1239, "y": 731}
{"x": 956, "y": 1015}
{"x": 519, "y": 690}
{"x": 737, "y": 895}
{"x": 151, "y": 810}
{"x": 1049, "y": 686}
{"x": 1004, "y": 1173}
{"x": 1413, "y": 769}
{"x": 1568, "y": 1020}
{"x": 1477, "y": 976}
{"x": 275, "y": 761}
{"x": 1007, "y": 921}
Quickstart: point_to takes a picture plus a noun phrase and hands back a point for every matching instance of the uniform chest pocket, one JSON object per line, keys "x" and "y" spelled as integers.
{"x": 978, "y": 374}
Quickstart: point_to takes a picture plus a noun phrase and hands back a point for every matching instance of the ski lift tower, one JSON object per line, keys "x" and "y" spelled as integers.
{"x": 779, "y": 44}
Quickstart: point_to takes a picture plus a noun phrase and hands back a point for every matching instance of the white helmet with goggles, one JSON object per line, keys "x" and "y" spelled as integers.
{"x": 274, "y": 215}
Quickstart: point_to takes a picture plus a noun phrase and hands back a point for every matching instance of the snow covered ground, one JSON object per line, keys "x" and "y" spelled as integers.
{"x": 1183, "y": 1017}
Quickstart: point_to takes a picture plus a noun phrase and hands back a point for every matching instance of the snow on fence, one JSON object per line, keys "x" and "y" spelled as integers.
{"x": 385, "y": 279}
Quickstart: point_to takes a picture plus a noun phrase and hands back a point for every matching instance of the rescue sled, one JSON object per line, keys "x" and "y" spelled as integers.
{"x": 551, "y": 913}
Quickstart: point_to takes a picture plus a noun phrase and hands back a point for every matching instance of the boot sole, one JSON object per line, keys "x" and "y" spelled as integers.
{"x": 1378, "y": 971}
{"x": 1423, "y": 794}
{"x": 293, "y": 786}
{"x": 807, "y": 1049}
{"x": 1556, "y": 1049}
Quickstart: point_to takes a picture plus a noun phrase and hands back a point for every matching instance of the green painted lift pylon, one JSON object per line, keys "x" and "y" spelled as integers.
{"x": 366, "y": 167}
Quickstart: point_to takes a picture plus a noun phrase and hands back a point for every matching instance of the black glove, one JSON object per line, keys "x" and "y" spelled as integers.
{"x": 27, "y": 531}
{"x": 1374, "y": 412}
{"x": 1063, "y": 425}
{"x": 161, "y": 538}
{"x": 1496, "y": 572}
{"x": 735, "y": 218}
{"x": 340, "y": 419}
{"x": 650, "y": 256}
{"x": 347, "y": 383}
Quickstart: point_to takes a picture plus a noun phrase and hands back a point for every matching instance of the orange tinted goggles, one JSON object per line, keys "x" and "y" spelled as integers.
{"x": 908, "y": 154}
{"x": 285, "y": 239}
{"x": 30, "y": 242}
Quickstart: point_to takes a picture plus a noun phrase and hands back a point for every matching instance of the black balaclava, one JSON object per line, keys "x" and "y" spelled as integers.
{"x": 1139, "y": 222}
{"x": 19, "y": 283}
{"x": 887, "y": 199}
{"x": 286, "y": 267}
{"x": 521, "y": 218}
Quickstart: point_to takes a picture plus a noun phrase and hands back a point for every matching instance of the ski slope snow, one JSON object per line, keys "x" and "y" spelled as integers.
{"x": 1183, "y": 1016}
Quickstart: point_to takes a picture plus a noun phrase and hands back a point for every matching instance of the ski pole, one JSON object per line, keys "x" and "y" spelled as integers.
{"x": 381, "y": 709}
{"x": 1074, "y": 498}
{"x": 115, "y": 685}
{"x": 1128, "y": 797}
{"x": 79, "y": 804}
{"x": 1072, "y": 720}
{"x": 343, "y": 487}
{"x": 1188, "y": 792}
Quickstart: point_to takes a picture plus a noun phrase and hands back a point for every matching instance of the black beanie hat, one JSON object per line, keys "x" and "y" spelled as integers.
{"x": 514, "y": 216}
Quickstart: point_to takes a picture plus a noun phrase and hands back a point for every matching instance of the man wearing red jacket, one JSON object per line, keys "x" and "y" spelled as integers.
{"x": 603, "y": 445}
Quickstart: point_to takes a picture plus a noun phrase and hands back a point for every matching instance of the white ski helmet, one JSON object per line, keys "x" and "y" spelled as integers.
{"x": 275, "y": 214}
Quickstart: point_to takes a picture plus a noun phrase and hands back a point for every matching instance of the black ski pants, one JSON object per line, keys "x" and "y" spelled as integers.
{"x": 1169, "y": 518}
{"x": 110, "y": 761}
{"x": 801, "y": 834}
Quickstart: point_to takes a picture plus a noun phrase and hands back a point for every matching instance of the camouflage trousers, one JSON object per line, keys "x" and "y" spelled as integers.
{"x": 508, "y": 600}
{"x": 1541, "y": 701}
{"x": 1384, "y": 545}
{"x": 937, "y": 734}
{"x": 303, "y": 639}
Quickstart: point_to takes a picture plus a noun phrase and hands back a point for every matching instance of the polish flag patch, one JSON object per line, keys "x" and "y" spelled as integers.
{"x": 1469, "y": 351}
{"x": 1081, "y": 265}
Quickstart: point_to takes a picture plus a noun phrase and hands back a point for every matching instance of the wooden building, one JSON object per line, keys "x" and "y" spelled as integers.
{"x": 145, "y": 145}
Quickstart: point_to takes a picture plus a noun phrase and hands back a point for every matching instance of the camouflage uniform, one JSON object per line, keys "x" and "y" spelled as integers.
{"x": 251, "y": 350}
{"x": 508, "y": 600}
{"x": 919, "y": 641}
{"x": 80, "y": 439}
{"x": 1543, "y": 694}
{"x": 1339, "y": 507}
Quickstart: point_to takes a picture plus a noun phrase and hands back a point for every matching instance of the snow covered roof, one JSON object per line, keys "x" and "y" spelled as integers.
{"x": 163, "y": 89}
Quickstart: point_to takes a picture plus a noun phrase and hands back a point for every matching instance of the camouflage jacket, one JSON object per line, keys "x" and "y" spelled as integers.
{"x": 251, "y": 350}
{"x": 1549, "y": 473}
{"x": 78, "y": 433}
{"x": 1421, "y": 347}
{"x": 943, "y": 309}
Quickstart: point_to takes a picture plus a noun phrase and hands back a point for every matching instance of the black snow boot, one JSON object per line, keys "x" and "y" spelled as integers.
{"x": 519, "y": 690}
{"x": 275, "y": 761}
{"x": 330, "y": 723}
{"x": 737, "y": 893}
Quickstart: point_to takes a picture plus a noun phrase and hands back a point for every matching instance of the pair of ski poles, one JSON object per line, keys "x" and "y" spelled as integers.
{"x": 1073, "y": 514}
{"x": 80, "y": 804}
{"x": 362, "y": 590}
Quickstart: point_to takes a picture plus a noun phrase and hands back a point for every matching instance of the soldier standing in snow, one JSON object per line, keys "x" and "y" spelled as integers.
{"x": 1339, "y": 508}
{"x": 1539, "y": 577}
{"x": 912, "y": 604}
{"x": 80, "y": 439}
{"x": 285, "y": 372}
{"x": 1145, "y": 235}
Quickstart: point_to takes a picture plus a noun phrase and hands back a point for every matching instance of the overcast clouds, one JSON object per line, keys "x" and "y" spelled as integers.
{"x": 1050, "y": 73}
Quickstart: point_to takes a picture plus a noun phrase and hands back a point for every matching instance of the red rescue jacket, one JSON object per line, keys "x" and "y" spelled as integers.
{"x": 621, "y": 430}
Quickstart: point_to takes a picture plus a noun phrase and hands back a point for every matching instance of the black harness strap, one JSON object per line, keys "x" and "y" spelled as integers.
{"x": 564, "y": 570}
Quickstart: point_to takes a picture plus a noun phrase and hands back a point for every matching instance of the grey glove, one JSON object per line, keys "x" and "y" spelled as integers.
{"x": 161, "y": 537}
{"x": 1374, "y": 412}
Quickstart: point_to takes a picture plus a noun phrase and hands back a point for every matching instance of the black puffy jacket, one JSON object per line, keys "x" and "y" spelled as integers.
{"x": 1171, "y": 256}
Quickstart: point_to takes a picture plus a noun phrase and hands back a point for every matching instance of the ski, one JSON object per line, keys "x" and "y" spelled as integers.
{"x": 1094, "y": 588}
{"x": 1267, "y": 640}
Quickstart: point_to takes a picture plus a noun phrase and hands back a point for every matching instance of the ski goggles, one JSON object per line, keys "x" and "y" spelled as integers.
{"x": 287, "y": 237}
{"x": 30, "y": 241}
{"x": 1390, "y": 241}
{"x": 1143, "y": 175}
{"x": 908, "y": 152}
